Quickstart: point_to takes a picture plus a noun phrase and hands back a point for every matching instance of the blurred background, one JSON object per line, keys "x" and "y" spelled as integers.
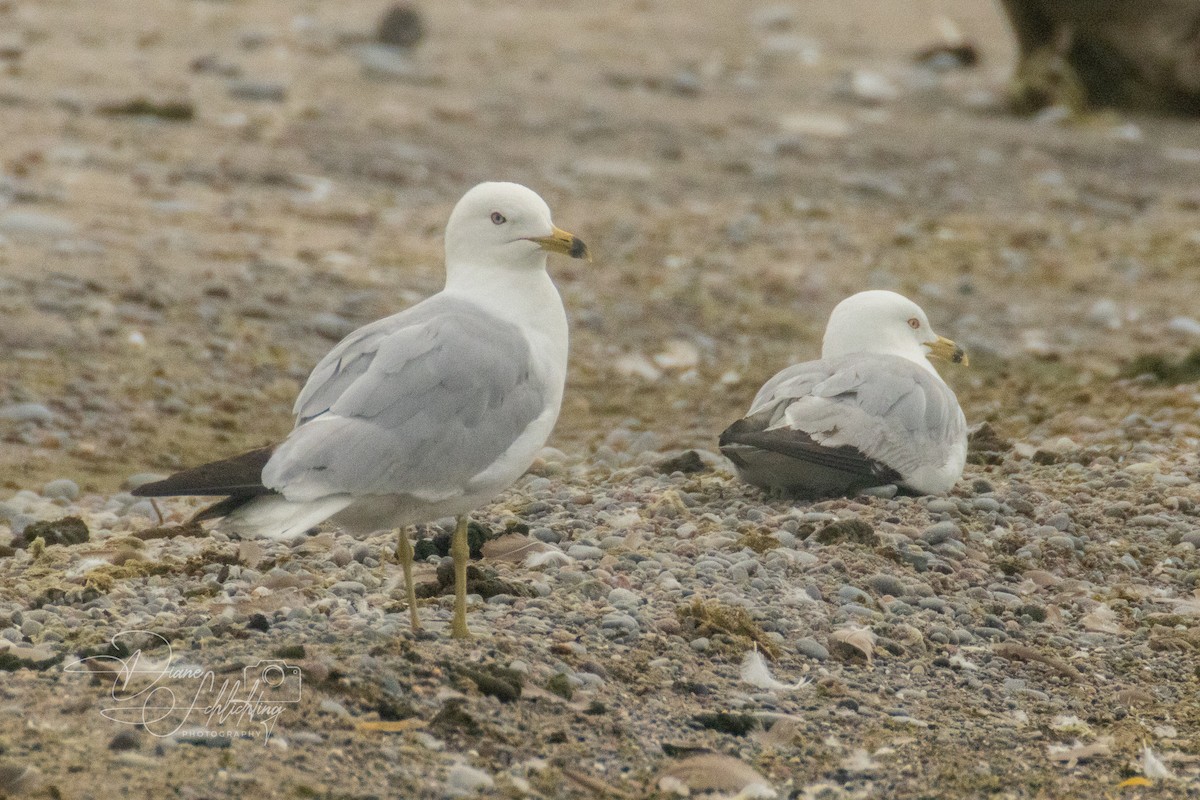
{"x": 198, "y": 198}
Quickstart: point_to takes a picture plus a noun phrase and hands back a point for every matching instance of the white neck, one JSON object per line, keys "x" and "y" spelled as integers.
{"x": 845, "y": 342}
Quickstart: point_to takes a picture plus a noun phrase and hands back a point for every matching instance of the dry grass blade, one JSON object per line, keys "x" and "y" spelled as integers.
{"x": 391, "y": 725}
{"x": 598, "y": 787}
{"x": 1020, "y": 652}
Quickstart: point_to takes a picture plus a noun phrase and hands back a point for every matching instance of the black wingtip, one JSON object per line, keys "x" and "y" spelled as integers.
{"x": 240, "y": 476}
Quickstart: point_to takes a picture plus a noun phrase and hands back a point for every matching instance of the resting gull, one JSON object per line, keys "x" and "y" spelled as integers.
{"x": 428, "y": 413}
{"x": 871, "y": 411}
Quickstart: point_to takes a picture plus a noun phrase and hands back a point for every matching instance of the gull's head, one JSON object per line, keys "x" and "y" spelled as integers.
{"x": 885, "y": 322}
{"x": 505, "y": 225}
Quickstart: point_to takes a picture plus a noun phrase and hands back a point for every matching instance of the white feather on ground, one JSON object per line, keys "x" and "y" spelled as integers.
{"x": 756, "y": 673}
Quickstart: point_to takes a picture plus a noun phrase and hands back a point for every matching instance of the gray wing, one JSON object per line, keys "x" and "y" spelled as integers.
{"x": 869, "y": 418}
{"x": 417, "y": 403}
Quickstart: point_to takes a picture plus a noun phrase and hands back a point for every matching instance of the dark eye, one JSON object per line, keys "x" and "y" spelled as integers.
{"x": 914, "y": 323}
{"x": 498, "y": 218}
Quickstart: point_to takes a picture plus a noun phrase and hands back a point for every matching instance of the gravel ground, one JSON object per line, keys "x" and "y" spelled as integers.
{"x": 196, "y": 202}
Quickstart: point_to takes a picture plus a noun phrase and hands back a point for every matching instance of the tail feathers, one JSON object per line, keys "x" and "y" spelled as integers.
{"x": 240, "y": 476}
{"x": 273, "y": 515}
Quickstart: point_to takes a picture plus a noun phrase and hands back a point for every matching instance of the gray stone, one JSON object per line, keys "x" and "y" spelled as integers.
{"x": 585, "y": 552}
{"x": 886, "y": 584}
{"x": 259, "y": 91}
{"x": 33, "y": 224}
{"x": 61, "y": 489}
{"x": 812, "y": 648}
{"x": 620, "y": 621}
{"x": 26, "y": 412}
{"x": 624, "y": 599}
{"x": 941, "y": 531}
{"x": 464, "y": 780}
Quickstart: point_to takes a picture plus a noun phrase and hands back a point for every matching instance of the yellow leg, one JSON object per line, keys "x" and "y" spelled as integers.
{"x": 460, "y": 551}
{"x": 404, "y": 552}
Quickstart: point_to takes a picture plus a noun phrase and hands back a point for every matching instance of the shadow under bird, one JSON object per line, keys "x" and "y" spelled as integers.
{"x": 871, "y": 411}
{"x": 428, "y": 413}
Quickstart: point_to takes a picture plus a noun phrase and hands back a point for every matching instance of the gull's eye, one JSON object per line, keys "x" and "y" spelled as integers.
{"x": 498, "y": 218}
{"x": 914, "y": 323}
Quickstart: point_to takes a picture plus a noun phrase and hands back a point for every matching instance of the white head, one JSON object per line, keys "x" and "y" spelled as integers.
{"x": 879, "y": 321}
{"x": 505, "y": 225}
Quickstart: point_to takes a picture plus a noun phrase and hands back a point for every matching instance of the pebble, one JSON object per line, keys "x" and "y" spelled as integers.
{"x": 620, "y": 621}
{"x": 464, "y": 780}
{"x": 35, "y": 224}
{"x": 400, "y": 26}
{"x": 26, "y": 412}
{"x": 258, "y": 91}
{"x": 887, "y": 584}
{"x": 585, "y": 552}
{"x": 941, "y": 532}
{"x": 1187, "y": 326}
{"x": 811, "y": 648}
{"x": 61, "y": 489}
{"x": 624, "y": 599}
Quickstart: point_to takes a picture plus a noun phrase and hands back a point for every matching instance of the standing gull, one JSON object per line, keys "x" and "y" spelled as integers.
{"x": 427, "y": 413}
{"x": 871, "y": 411}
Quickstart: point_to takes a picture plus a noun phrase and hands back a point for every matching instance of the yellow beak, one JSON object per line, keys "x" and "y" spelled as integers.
{"x": 945, "y": 349}
{"x": 562, "y": 242}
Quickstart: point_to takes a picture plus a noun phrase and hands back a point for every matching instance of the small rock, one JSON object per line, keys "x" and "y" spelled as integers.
{"x": 34, "y": 224}
{"x": 61, "y": 489}
{"x": 66, "y": 531}
{"x": 258, "y": 91}
{"x": 941, "y": 531}
{"x": 400, "y": 26}
{"x": 26, "y": 412}
{"x": 464, "y": 780}
{"x": 872, "y": 88}
{"x": 687, "y": 462}
{"x": 886, "y": 584}
{"x": 624, "y": 599}
{"x": 1187, "y": 326}
{"x": 585, "y": 552}
{"x": 126, "y": 739}
{"x": 812, "y": 648}
{"x": 849, "y": 530}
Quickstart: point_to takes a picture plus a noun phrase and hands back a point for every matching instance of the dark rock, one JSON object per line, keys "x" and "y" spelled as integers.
{"x": 985, "y": 446}
{"x": 848, "y": 530}
{"x": 66, "y": 530}
{"x": 477, "y": 534}
{"x": 400, "y": 26}
{"x": 170, "y": 110}
{"x": 687, "y": 462}
{"x": 734, "y": 724}
{"x": 126, "y": 739}
{"x": 495, "y": 681}
{"x": 483, "y": 582}
{"x": 259, "y": 91}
